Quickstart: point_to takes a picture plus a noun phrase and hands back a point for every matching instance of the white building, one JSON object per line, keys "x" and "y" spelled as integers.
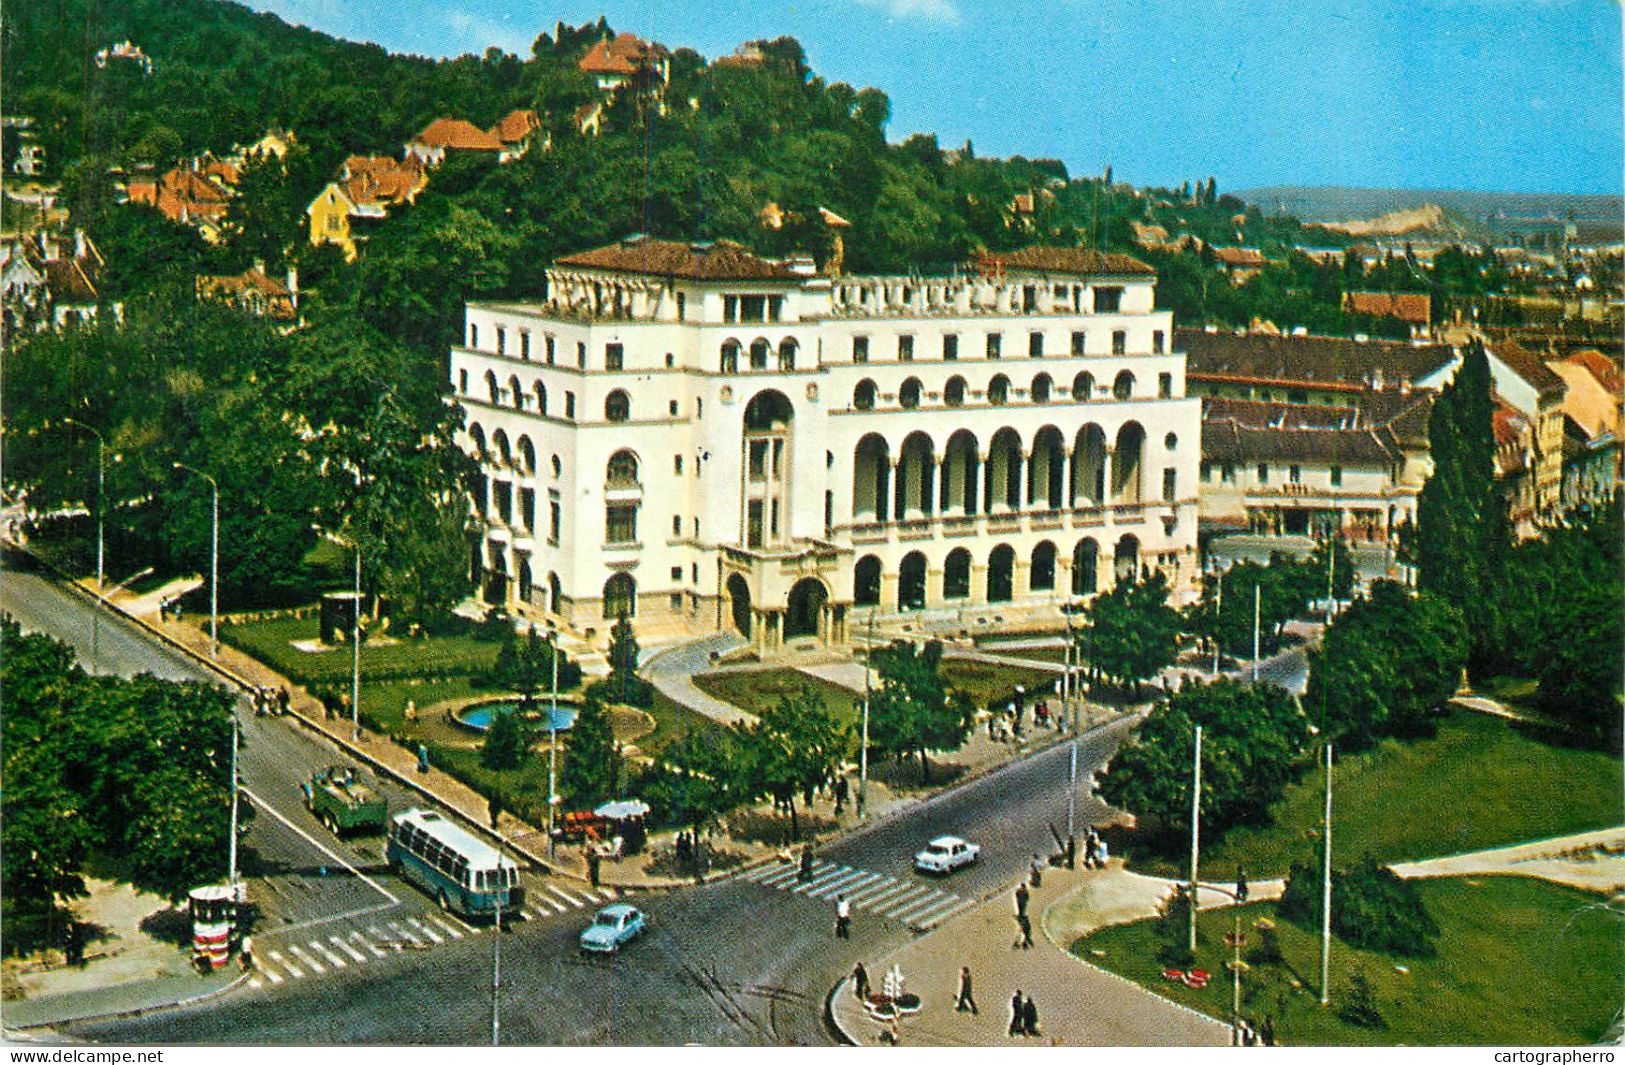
{"x": 701, "y": 438}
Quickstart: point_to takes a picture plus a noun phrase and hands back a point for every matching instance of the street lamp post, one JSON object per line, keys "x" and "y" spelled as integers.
{"x": 214, "y": 559}
{"x": 553, "y": 742}
{"x": 1069, "y": 707}
{"x": 101, "y": 498}
{"x": 102, "y": 597}
{"x": 355, "y": 652}
{"x": 863, "y": 748}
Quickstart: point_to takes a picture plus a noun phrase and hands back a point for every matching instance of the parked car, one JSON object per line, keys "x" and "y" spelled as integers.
{"x": 612, "y": 928}
{"x": 945, "y": 854}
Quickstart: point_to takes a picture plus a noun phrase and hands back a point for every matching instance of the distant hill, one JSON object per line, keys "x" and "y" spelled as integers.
{"x": 1502, "y": 212}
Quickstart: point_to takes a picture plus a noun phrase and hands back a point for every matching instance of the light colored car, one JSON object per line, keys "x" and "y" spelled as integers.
{"x": 945, "y": 854}
{"x": 612, "y": 928}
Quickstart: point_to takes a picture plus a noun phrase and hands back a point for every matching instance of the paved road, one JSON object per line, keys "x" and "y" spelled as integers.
{"x": 733, "y": 963}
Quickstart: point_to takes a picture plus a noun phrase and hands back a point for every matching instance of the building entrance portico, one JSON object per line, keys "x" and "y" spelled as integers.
{"x": 782, "y": 600}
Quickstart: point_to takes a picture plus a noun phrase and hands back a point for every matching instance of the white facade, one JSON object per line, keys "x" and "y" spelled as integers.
{"x": 774, "y": 453}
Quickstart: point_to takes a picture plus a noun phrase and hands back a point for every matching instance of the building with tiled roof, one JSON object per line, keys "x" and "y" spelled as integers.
{"x": 367, "y": 189}
{"x": 451, "y": 135}
{"x": 681, "y": 433}
{"x": 1309, "y": 369}
{"x": 1593, "y": 426}
{"x": 1415, "y": 309}
{"x": 1524, "y": 381}
{"x": 1240, "y": 263}
{"x": 615, "y": 62}
{"x": 186, "y": 196}
{"x": 516, "y": 130}
{"x": 1074, "y": 262}
{"x": 48, "y": 281}
{"x": 255, "y": 292}
{"x": 1303, "y": 469}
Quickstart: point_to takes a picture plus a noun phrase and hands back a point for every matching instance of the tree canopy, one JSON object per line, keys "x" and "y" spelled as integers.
{"x": 912, "y": 710}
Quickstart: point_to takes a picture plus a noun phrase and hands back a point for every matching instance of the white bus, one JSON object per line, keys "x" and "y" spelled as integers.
{"x": 462, "y": 872}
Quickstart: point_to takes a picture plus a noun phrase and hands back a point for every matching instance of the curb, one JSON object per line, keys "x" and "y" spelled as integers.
{"x": 138, "y": 1011}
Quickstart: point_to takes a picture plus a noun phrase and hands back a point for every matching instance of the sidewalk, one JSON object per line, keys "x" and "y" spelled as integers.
{"x": 1078, "y": 1004}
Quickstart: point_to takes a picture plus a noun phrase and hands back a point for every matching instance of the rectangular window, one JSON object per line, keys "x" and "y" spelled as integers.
{"x": 1159, "y": 339}
{"x": 1263, "y": 473}
{"x": 1108, "y": 300}
{"x": 995, "y": 342}
{"x": 462, "y": 381}
{"x": 1294, "y": 474}
{"x": 677, "y": 465}
{"x": 677, "y": 573}
{"x": 699, "y": 409}
{"x": 502, "y": 341}
{"x": 621, "y": 523}
{"x": 555, "y": 517}
{"x": 581, "y": 354}
{"x": 570, "y": 406}
{"x": 694, "y": 573}
{"x": 676, "y": 532}
{"x": 1337, "y": 476}
{"x": 905, "y": 348}
{"x": 527, "y": 507}
{"x": 473, "y": 335}
{"x": 675, "y": 601}
{"x": 671, "y": 360}
{"x": 730, "y": 308}
{"x": 1165, "y": 385}
{"x": 860, "y": 349}
{"x": 1169, "y": 482}
{"x": 1077, "y": 341}
{"x": 1035, "y": 345}
{"x": 524, "y": 344}
{"x": 682, "y": 306}
{"x": 1119, "y": 342}
{"x": 503, "y": 493}
{"x": 549, "y": 344}
{"x": 696, "y": 528}
{"x": 671, "y": 408}
{"x": 614, "y": 356}
{"x": 950, "y": 347}
{"x": 758, "y": 460}
{"x": 753, "y": 524}
{"x": 1227, "y": 473}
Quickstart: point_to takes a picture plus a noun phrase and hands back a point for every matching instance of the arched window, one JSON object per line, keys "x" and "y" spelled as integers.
{"x": 866, "y": 581}
{"x": 998, "y": 390}
{"x": 499, "y": 445}
{"x": 909, "y": 395}
{"x": 476, "y": 434}
{"x": 1041, "y": 576}
{"x": 953, "y": 393}
{"x": 620, "y": 597}
{"x": 527, "y": 455}
{"x": 787, "y": 353}
{"x": 1083, "y": 386}
{"x": 462, "y": 382}
{"x": 758, "y": 353}
{"x": 491, "y": 385}
{"x": 622, "y": 471}
{"x": 863, "y": 397}
{"x": 956, "y": 575}
{"x": 730, "y": 356}
{"x": 541, "y": 398}
{"x": 1001, "y": 565}
{"x": 1123, "y": 386}
{"x": 516, "y": 393}
{"x": 1041, "y": 388}
{"x": 618, "y": 406}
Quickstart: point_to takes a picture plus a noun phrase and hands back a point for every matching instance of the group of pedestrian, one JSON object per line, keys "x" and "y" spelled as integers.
{"x": 268, "y": 700}
{"x": 1024, "y": 923}
{"x": 1095, "y": 852}
{"x": 1023, "y": 1015}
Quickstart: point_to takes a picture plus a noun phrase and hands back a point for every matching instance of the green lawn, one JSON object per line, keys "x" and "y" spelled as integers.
{"x": 985, "y": 681}
{"x": 1521, "y": 962}
{"x": 672, "y": 720}
{"x": 1479, "y": 783}
{"x": 271, "y": 643}
{"x": 755, "y": 688}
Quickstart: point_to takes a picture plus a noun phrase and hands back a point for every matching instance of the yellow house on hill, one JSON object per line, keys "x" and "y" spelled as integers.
{"x": 330, "y": 219}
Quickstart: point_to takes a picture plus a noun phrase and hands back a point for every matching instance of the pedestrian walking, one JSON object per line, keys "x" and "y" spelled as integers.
{"x": 1026, "y": 940}
{"x": 843, "y": 918}
{"x": 1022, "y": 895}
{"x": 1241, "y": 885}
{"x": 1029, "y": 1017}
{"x": 843, "y": 791}
{"x": 860, "y": 982}
{"x": 593, "y": 862}
{"x": 805, "y": 874}
{"x": 1038, "y": 871}
{"x": 966, "y": 1000}
{"x": 1018, "y": 1013}
{"x": 246, "y": 953}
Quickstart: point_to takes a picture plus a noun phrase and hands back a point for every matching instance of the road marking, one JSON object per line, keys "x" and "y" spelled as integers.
{"x": 900, "y": 902}
{"x": 275, "y": 979}
{"x": 929, "y": 905}
{"x": 425, "y": 929}
{"x": 351, "y": 951}
{"x": 879, "y": 887}
{"x": 378, "y": 952}
{"x": 255, "y": 983}
{"x": 829, "y": 875}
{"x": 260, "y": 803}
{"x": 310, "y": 963}
{"x": 293, "y": 970}
{"x": 449, "y": 929}
{"x": 761, "y": 873}
{"x": 558, "y": 906}
{"x": 840, "y": 883}
{"x": 460, "y": 923}
{"x": 333, "y": 959}
{"x": 783, "y": 876}
{"x": 567, "y": 897}
{"x": 851, "y": 888}
{"x": 401, "y": 933}
{"x": 896, "y": 889}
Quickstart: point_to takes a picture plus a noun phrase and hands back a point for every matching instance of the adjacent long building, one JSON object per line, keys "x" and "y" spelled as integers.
{"x": 700, "y": 438}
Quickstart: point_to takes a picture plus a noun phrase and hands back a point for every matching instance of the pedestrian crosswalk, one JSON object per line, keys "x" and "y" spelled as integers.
{"x": 318, "y": 952}
{"x": 915, "y": 904}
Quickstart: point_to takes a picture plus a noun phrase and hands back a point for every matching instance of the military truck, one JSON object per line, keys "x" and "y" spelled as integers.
{"x": 343, "y": 803}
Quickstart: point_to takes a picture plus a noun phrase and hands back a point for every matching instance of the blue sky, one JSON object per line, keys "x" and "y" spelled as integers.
{"x": 1491, "y": 95}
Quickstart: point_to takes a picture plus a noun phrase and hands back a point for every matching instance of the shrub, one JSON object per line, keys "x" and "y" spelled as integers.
{"x": 1359, "y": 1006}
{"x": 505, "y": 745}
{"x": 1174, "y": 929}
{"x": 1372, "y": 908}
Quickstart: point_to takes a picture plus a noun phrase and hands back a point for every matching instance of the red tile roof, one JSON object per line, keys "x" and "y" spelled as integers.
{"x": 1413, "y": 307}
{"x": 1079, "y": 261}
{"x": 1604, "y": 369}
{"x": 1240, "y": 257}
{"x": 623, "y": 55}
{"x": 1309, "y": 361}
{"x": 516, "y": 125}
{"x": 380, "y": 179}
{"x": 253, "y": 290}
{"x": 719, "y": 261}
{"x": 456, "y": 133}
{"x": 1528, "y": 366}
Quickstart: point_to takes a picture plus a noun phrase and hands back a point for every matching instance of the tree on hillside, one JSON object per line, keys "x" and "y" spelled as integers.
{"x": 912, "y": 711}
{"x": 792, "y": 748}
{"x": 1253, "y": 745}
{"x": 1461, "y": 515}
{"x": 1132, "y": 631}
